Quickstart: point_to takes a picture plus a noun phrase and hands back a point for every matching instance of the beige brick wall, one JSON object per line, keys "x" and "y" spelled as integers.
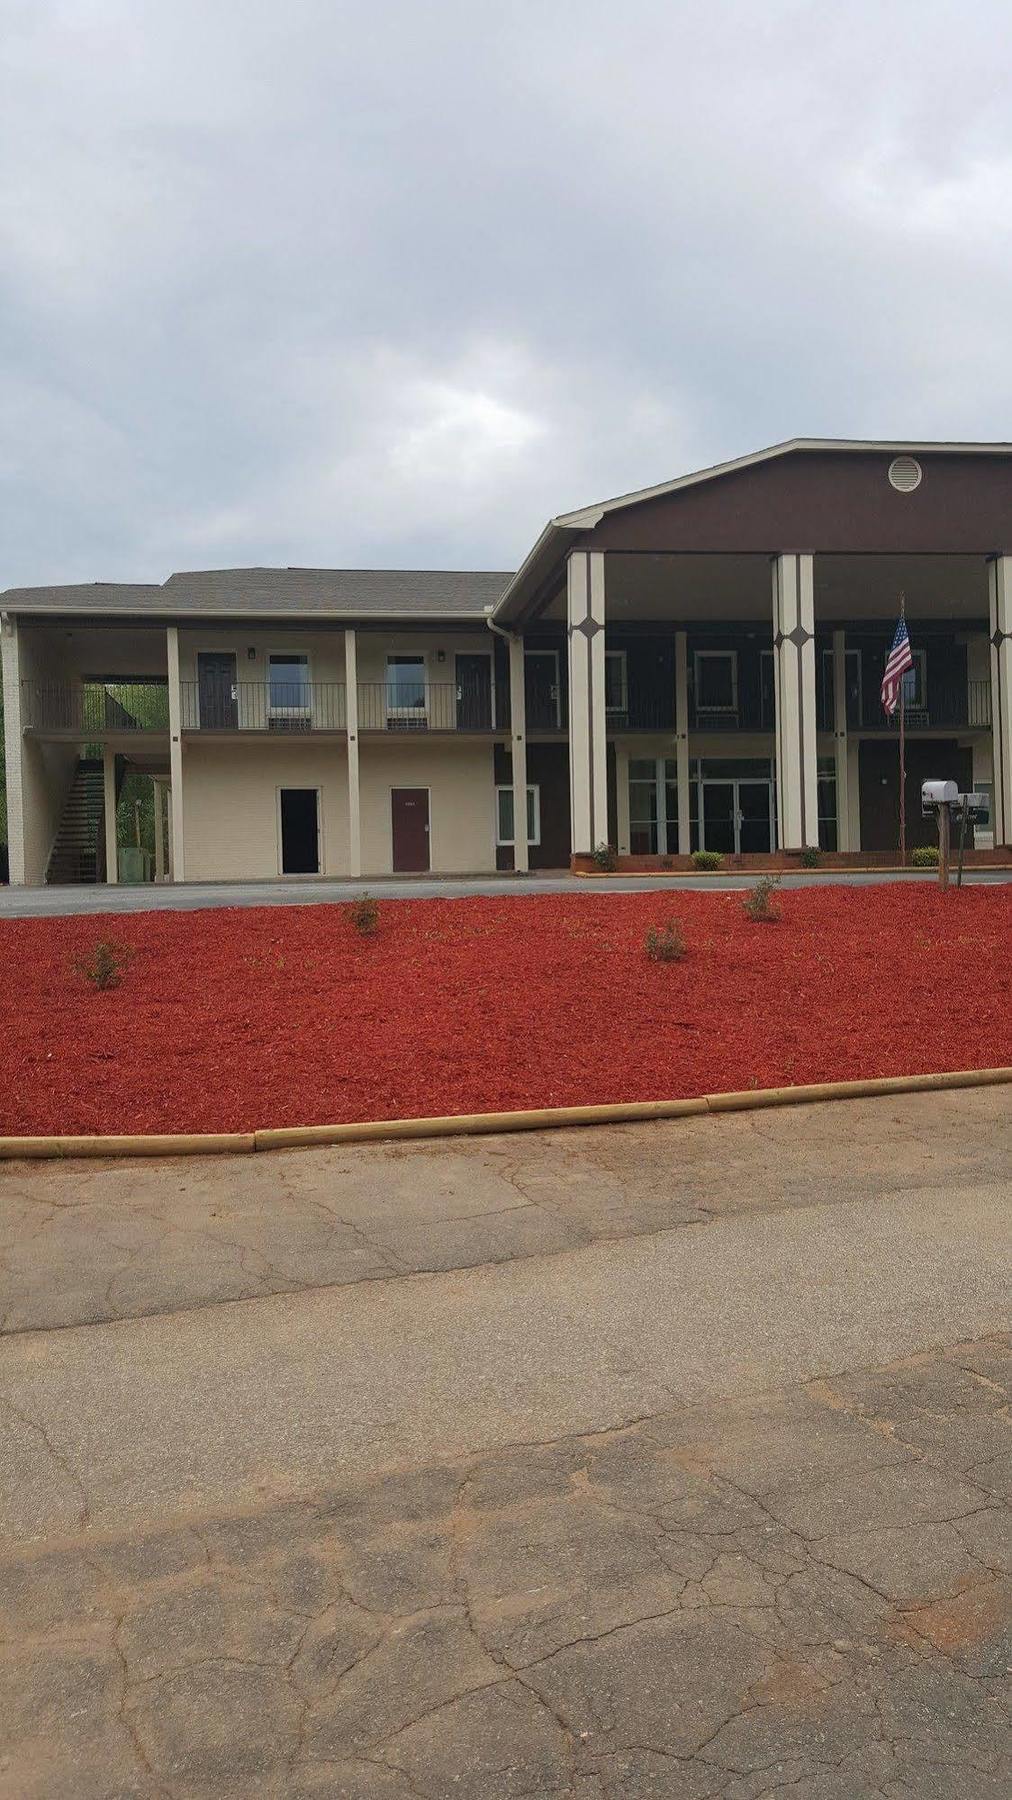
{"x": 230, "y": 805}
{"x": 459, "y": 777}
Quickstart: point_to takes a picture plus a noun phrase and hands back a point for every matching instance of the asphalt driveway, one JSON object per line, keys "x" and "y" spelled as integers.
{"x": 659, "y": 1461}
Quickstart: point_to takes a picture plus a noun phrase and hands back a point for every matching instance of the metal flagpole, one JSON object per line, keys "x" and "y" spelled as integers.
{"x": 903, "y": 751}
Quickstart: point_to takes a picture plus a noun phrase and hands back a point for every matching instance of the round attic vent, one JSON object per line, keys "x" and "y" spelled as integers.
{"x": 905, "y": 474}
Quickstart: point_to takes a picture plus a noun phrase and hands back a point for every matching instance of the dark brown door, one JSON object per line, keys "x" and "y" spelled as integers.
{"x": 927, "y": 759}
{"x": 218, "y": 690}
{"x": 410, "y": 816}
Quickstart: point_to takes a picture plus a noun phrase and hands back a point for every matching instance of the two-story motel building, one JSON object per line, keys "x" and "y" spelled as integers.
{"x": 696, "y": 665}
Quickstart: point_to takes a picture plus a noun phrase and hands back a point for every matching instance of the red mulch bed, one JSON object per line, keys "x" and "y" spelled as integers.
{"x": 232, "y": 1019}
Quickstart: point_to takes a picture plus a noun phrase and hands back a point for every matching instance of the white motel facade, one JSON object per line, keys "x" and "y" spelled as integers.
{"x": 693, "y": 666}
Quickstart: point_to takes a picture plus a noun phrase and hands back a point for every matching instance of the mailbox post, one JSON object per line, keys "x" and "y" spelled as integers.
{"x": 937, "y": 800}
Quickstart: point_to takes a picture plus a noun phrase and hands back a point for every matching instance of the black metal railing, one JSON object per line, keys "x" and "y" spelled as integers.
{"x": 279, "y": 707}
{"x": 967, "y": 709}
{"x": 750, "y": 712}
{"x": 412, "y": 706}
{"x": 92, "y": 708}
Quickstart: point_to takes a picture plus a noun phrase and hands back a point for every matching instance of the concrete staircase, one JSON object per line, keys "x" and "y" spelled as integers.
{"x": 75, "y": 853}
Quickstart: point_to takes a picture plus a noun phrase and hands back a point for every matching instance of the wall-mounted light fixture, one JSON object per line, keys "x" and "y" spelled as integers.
{"x": 251, "y": 653}
{"x": 440, "y": 655}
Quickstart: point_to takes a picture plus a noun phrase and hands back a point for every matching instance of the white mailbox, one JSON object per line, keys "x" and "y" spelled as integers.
{"x": 938, "y": 793}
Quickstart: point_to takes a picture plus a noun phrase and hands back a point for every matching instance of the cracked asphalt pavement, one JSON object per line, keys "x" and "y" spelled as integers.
{"x": 658, "y": 1462}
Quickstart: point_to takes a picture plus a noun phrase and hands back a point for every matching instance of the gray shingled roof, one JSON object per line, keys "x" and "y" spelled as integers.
{"x": 316, "y": 593}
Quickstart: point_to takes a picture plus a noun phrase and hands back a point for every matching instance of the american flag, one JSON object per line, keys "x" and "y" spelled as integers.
{"x": 899, "y": 660}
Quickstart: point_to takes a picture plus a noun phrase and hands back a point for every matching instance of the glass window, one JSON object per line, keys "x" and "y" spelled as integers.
{"x": 504, "y": 815}
{"x": 716, "y": 680}
{"x": 826, "y": 780}
{"x": 406, "y": 683}
{"x": 653, "y": 806}
{"x": 915, "y": 686}
{"x": 615, "y": 685}
{"x": 288, "y": 683}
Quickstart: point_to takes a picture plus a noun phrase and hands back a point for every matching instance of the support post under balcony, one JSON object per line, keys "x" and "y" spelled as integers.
{"x": 840, "y": 747}
{"x": 518, "y": 751}
{"x": 175, "y": 754}
{"x": 351, "y": 729}
{"x": 1000, "y": 606}
{"x": 10, "y": 655}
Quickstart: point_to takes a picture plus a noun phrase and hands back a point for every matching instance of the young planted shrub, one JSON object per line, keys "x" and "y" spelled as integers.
{"x": 810, "y": 858}
{"x": 605, "y": 857}
{"x": 364, "y": 915}
{"x": 105, "y": 963}
{"x": 707, "y": 859}
{"x": 925, "y": 856}
{"x": 665, "y": 943}
{"x": 758, "y": 902}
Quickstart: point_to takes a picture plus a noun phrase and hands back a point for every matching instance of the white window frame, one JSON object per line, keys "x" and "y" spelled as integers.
{"x": 406, "y": 712}
{"x": 701, "y": 656}
{"x": 920, "y": 664}
{"x": 623, "y": 704}
{"x": 659, "y": 783}
{"x": 289, "y": 712}
{"x": 504, "y": 843}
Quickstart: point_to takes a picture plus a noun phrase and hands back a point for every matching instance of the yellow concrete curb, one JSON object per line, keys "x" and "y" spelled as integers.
{"x": 546, "y": 1118}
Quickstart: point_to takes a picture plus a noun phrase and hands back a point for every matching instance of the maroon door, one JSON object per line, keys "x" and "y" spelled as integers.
{"x": 410, "y": 814}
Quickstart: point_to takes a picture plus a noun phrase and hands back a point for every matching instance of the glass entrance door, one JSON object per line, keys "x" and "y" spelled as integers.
{"x": 736, "y": 816}
{"x": 755, "y": 823}
{"x": 718, "y": 830}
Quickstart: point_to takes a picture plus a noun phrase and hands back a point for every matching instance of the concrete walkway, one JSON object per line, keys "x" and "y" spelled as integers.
{"x": 46, "y": 902}
{"x": 656, "y": 1461}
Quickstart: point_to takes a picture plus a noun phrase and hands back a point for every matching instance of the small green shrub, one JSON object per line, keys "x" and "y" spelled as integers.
{"x": 925, "y": 856}
{"x": 810, "y": 858}
{"x": 665, "y": 943}
{"x": 758, "y": 902}
{"x": 707, "y": 859}
{"x": 105, "y": 964}
{"x": 364, "y": 915}
{"x": 605, "y": 857}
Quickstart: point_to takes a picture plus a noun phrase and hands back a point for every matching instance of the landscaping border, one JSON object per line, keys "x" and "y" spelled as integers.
{"x": 547, "y": 1118}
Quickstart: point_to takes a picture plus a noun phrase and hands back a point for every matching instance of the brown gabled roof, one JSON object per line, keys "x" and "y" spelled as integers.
{"x": 436, "y": 594}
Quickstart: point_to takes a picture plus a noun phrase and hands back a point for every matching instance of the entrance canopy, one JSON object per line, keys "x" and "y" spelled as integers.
{"x": 833, "y": 500}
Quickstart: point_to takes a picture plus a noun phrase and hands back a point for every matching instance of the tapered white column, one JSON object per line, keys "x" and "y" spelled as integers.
{"x": 109, "y": 814}
{"x": 682, "y": 741}
{"x": 840, "y": 753}
{"x": 158, "y": 811}
{"x": 10, "y": 654}
{"x": 1000, "y": 584}
{"x": 354, "y": 780}
{"x": 588, "y": 756}
{"x": 794, "y": 680}
{"x": 175, "y": 754}
{"x": 518, "y": 751}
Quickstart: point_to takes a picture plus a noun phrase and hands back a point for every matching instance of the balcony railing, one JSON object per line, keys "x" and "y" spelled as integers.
{"x": 963, "y": 710}
{"x": 90, "y": 709}
{"x": 278, "y": 707}
{"x": 432, "y": 706}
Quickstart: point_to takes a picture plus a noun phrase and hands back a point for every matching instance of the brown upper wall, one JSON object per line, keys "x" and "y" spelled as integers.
{"x": 826, "y": 501}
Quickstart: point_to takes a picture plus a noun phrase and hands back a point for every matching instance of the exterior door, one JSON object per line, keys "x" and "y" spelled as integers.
{"x": 300, "y": 831}
{"x": 755, "y": 827}
{"x": 927, "y": 759}
{"x": 717, "y": 819}
{"x": 409, "y": 811}
{"x": 217, "y": 690}
{"x": 474, "y": 693}
{"x": 541, "y": 689}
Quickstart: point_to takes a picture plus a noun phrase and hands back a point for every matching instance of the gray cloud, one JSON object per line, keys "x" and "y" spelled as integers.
{"x": 365, "y": 283}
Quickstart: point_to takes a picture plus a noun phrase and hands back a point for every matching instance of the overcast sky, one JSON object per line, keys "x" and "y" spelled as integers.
{"x": 322, "y": 282}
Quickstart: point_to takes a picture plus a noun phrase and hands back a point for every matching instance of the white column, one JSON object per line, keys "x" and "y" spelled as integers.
{"x": 109, "y": 814}
{"x": 794, "y": 680}
{"x": 682, "y": 741}
{"x": 158, "y": 808}
{"x": 175, "y": 755}
{"x": 588, "y": 755}
{"x": 354, "y": 782}
{"x": 1000, "y": 587}
{"x": 840, "y": 741}
{"x": 518, "y": 752}
{"x": 10, "y": 655}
